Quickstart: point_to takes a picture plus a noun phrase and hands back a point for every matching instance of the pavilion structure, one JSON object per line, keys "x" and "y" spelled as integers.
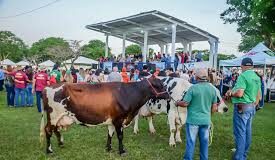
{"x": 156, "y": 28}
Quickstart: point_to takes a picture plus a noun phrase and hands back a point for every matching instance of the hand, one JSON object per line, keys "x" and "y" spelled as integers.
{"x": 33, "y": 91}
{"x": 228, "y": 93}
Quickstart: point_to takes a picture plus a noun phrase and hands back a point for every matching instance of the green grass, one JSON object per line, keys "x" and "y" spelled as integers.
{"x": 19, "y": 138}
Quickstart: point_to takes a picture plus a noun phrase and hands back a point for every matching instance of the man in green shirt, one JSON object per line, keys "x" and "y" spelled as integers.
{"x": 245, "y": 96}
{"x": 200, "y": 100}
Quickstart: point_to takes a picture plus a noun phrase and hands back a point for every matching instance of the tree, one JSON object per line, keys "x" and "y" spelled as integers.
{"x": 133, "y": 49}
{"x": 63, "y": 52}
{"x": 221, "y": 56}
{"x": 95, "y": 49}
{"x": 255, "y": 20}
{"x": 40, "y": 49}
{"x": 11, "y": 46}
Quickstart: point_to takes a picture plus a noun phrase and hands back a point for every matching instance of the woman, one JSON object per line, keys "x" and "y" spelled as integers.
{"x": 68, "y": 77}
{"x": 81, "y": 76}
{"x": 124, "y": 75}
{"x": 9, "y": 85}
{"x": 29, "y": 73}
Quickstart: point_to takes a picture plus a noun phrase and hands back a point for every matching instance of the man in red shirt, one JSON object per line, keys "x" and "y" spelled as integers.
{"x": 40, "y": 81}
{"x": 20, "y": 81}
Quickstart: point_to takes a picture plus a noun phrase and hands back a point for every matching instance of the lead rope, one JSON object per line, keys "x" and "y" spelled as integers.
{"x": 211, "y": 134}
{"x": 176, "y": 107}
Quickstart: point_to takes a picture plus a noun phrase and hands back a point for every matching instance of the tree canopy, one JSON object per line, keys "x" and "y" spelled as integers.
{"x": 255, "y": 20}
{"x": 11, "y": 46}
{"x": 133, "y": 49}
{"x": 95, "y": 49}
{"x": 41, "y": 48}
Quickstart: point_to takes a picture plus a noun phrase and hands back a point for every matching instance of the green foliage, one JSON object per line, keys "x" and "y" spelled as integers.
{"x": 255, "y": 20}
{"x": 11, "y": 46}
{"x": 95, "y": 49}
{"x": 89, "y": 143}
{"x": 133, "y": 49}
{"x": 41, "y": 48}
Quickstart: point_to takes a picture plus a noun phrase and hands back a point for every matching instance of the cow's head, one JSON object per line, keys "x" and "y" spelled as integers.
{"x": 222, "y": 107}
{"x": 158, "y": 89}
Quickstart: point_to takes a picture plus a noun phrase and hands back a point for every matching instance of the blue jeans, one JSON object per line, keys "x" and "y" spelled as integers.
{"x": 38, "y": 100}
{"x": 10, "y": 95}
{"x": 29, "y": 95}
{"x": 242, "y": 128}
{"x": 21, "y": 92}
{"x": 191, "y": 134}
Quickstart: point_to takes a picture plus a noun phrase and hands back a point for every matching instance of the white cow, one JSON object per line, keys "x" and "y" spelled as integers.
{"x": 176, "y": 87}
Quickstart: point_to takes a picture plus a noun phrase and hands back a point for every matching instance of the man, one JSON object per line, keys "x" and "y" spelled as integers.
{"x": 245, "y": 96}
{"x": 144, "y": 72}
{"x": 114, "y": 76}
{"x": 40, "y": 81}
{"x": 200, "y": 100}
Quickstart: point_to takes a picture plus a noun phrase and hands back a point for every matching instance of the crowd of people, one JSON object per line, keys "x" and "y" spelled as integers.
{"x": 245, "y": 88}
{"x": 180, "y": 58}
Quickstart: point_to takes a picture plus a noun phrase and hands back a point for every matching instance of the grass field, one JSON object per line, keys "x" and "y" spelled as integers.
{"x": 19, "y": 138}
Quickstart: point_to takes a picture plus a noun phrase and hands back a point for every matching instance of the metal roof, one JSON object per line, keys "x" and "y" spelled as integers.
{"x": 157, "y": 24}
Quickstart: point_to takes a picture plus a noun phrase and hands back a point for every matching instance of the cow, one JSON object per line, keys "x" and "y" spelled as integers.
{"x": 114, "y": 104}
{"x": 176, "y": 87}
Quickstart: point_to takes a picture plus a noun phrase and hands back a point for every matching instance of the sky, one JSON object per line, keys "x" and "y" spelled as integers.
{"x": 68, "y": 18}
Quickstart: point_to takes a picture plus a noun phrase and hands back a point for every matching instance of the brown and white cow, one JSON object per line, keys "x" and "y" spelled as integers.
{"x": 113, "y": 104}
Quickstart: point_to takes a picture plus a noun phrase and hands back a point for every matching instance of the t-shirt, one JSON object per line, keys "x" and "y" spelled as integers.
{"x": 200, "y": 97}
{"x": 250, "y": 82}
{"x": 20, "y": 76}
{"x": 114, "y": 77}
{"x": 57, "y": 75}
{"x": 41, "y": 81}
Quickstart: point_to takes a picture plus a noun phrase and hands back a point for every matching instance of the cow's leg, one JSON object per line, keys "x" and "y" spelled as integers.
{"x": 151, "y": 126}
{"x": 59, "y": 137}
{"x": 178, "y": 138}
{"x": 111, "y": 130}
{"x": 172, "y": 125}
{"x": 136, "y": 130}
{"x": 119, "y": 131}
{"x": 49, "y": 132}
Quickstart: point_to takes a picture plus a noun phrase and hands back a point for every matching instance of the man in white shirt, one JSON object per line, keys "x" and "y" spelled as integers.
{"x": 114, "y": 76}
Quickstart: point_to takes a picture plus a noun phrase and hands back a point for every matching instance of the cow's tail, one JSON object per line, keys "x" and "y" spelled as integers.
{"x": 42, "y": 126}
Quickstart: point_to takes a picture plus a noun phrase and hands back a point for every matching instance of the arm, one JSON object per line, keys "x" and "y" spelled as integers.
{"x": 33, "y": 85}
{"x": 214, "y": 108}
{"x": 182, "y": 103}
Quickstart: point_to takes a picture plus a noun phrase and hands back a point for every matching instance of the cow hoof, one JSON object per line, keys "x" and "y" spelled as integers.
{"x": 122, "y": 153}
{"x": 153, "y": 131}
{"x": 136, "y": 131}
{"x": 179, "y": 141}
{"x": 49, "y": 151}
{"x": 172, "y": 145}
{"x": 108, "y": 148}
{"x": 61, "y": 145}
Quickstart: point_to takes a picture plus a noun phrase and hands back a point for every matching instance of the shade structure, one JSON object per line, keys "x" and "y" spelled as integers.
{"x": 7, "y": 62}
{"x": 258, "y": 54}
{"x": 47, "y": 63}
{"x": 23, "y": 63}
{"x": 156, "y": 28}
{"x": 81, "y": 61}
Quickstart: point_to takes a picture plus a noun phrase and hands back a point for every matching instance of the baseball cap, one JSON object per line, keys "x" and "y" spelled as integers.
{"x": 201, "y": 73}
{"x": 247, "y": 62}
